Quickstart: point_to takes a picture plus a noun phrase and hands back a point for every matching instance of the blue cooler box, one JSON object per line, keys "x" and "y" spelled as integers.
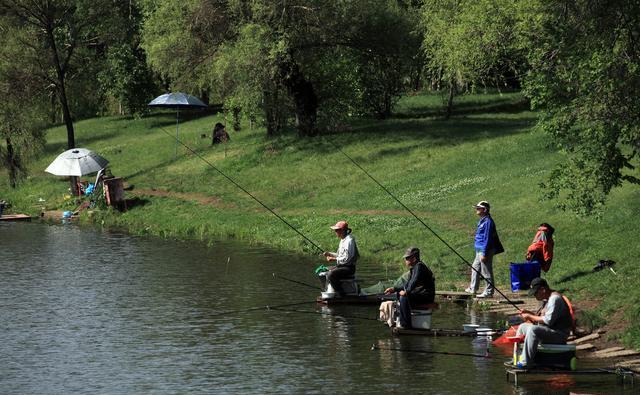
{"x": 522, "y": 274}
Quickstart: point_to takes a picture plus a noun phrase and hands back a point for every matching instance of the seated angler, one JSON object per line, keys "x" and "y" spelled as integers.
{"x": 552, "y": 325}
{"x": 419, "y": 290}
{"x": 345, "y": 259}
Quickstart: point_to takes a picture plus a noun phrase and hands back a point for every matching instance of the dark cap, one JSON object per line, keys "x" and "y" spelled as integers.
{"x": 536, "y": 284}
{"x": 411, "y": 251}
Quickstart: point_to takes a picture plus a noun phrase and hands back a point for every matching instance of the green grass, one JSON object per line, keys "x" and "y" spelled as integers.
{"x": 487, "y": 151}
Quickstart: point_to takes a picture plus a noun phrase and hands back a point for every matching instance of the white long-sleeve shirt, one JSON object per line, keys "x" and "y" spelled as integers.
{"x": 347, "y": 251}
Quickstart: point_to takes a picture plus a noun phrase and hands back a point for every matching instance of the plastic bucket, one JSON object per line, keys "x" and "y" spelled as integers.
{"x": 522, "y": 274}
{"x": 421, "y": 319}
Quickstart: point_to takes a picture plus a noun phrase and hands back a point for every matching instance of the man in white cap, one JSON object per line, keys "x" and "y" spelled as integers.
{"x": 345, "y": 258}
{"x": 486, "y": 244}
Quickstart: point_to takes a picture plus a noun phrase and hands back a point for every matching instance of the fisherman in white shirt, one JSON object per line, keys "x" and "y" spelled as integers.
{"x": 345, "y": 258}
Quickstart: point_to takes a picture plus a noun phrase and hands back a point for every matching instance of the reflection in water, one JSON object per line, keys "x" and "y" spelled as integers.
{"x": 91, "y": 312}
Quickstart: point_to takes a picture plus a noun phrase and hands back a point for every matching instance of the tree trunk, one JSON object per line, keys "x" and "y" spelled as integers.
{"x": 304, "y": 97}
{"x": 62, "y": 95}
{"x": 235, "y": 112}
{"x": 11, "y": 164}
{"x": 452, "y": 92}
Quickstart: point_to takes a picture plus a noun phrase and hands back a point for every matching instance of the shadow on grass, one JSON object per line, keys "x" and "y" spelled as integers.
{"x": 574, "y": 276}
{"x": 136, "y": 202}
{"x": 85, "y": 142}
{"x": 500, "y": 105}
{"x": 433, "y": 133}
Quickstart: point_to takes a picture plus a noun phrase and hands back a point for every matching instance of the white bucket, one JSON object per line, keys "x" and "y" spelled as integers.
{"x": 421, "y": 319}
{"x": 470, "y": 327}
{"x": 329, "y": 293}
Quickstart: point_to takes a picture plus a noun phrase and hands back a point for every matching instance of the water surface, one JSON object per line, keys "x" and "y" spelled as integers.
{"x": 85, "y": 311}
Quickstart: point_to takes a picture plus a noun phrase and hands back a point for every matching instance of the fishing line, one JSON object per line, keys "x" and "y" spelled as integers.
{"x": 486, "y": 355}
{"x": 266, "y": 307}
{"x": 423, "y": 223}
{"x": 295, "y": 281}
{"x": 243, "y": 190}
{"x": 323, "y": 313}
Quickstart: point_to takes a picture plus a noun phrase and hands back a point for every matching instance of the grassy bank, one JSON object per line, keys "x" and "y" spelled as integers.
{"x": 487, "y": 151}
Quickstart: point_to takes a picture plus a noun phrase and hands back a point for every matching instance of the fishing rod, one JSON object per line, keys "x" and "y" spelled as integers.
{"x": 423, "y": 223}
{"x": 244, "y": 190}
{"x": 486, "y": 355}
{"x": 323, "y": 313}
{"x": 266, "y": 307}
{"x": 295, "y": 281}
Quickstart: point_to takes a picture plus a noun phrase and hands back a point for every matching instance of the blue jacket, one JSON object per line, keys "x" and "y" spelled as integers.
{"x": 487, "y": 239}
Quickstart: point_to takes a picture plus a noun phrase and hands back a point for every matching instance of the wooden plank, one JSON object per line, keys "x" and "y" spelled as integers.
{"x": 618, "y": 354}
{"x": 608, "y": 350}
{"x": 583, "y": 347}
{"x": 15, "y": 217}
{"x": 631, "y": 362}
{"x": 585, "y": 338}
{"x": 453, "y": 295}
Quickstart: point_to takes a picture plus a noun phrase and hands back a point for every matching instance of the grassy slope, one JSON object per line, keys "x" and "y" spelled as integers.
{"x": 438, "y": 168}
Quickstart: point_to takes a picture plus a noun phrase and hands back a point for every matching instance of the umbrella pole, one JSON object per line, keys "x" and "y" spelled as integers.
{"x": 177, "y": 120}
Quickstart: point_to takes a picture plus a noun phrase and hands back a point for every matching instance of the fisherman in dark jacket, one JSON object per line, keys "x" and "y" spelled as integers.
{"x": 420, "y": 288}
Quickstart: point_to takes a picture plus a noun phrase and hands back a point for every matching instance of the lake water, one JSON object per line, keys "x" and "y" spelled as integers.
{"x": 85, "y": 311}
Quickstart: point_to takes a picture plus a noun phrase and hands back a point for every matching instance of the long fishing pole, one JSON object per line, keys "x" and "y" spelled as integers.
{"x": 265, "y": 307}
{"x": 244, "y": 190}
{"x": 486, "y": 355}
{"x": 423, "y": 223}
{"x": 323, "y": 313}
{"x": 295, "y": 281}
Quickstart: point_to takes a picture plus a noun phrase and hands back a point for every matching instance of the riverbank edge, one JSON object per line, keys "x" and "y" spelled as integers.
{"x": 104, "y": 220}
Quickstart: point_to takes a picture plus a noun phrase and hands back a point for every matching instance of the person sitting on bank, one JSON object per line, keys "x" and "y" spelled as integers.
{"x": 552, "y": 325}
{"x": 541, "y": 249}
{"x": 345, "y": 258}
{"x": 219, "y": 134}
{"x": 419, "y": 290}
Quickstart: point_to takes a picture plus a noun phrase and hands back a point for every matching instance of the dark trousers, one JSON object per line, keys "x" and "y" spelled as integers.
{"x": 337, "y": 274}
{"x": 405, "y": 308}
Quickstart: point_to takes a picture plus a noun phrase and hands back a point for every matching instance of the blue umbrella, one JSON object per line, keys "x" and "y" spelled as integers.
{"x": 177, "y": 100}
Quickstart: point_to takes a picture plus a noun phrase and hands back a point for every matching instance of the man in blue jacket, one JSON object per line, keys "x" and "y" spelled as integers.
{"x": 487, "y": 244}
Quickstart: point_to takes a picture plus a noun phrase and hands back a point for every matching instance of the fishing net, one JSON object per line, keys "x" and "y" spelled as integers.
{"x": 380, "y": 286}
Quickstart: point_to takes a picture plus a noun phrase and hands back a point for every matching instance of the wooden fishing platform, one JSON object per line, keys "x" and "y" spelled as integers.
{"x": 453, "y": 295}
{"x": 439, "y": 332}
{"x": 622, "y": 373}
{"x": 15, "y": 217}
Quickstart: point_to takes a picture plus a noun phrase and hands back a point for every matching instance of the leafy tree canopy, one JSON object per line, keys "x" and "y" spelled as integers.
{"x": 584, "y": 77}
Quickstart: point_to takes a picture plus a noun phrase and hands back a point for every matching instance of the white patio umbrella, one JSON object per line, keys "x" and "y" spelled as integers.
{"x": 77, "y": 162}
{"x": 177, "y": 100}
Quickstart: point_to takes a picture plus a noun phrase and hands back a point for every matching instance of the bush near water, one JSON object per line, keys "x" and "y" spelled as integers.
{"x": 489, "y": 150}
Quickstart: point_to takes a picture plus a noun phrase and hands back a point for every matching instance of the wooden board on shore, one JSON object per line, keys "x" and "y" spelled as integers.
{"x": 15, "y": 217}
{"x": 453, "y": 295}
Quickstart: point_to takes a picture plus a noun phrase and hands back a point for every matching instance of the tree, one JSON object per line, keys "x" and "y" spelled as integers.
{"x": 468, "y": 42}
{"x": 279, "y": 56}
{"x": 584, "y": 78}
{"x": 21, "y": 113}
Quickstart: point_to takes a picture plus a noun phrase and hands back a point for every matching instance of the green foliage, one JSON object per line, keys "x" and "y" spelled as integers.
{"x": 469, "y": 43}
{"x": 279, "y": 60}
{"x": 21, "y": 113}
{"x": 584, "y": 76}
